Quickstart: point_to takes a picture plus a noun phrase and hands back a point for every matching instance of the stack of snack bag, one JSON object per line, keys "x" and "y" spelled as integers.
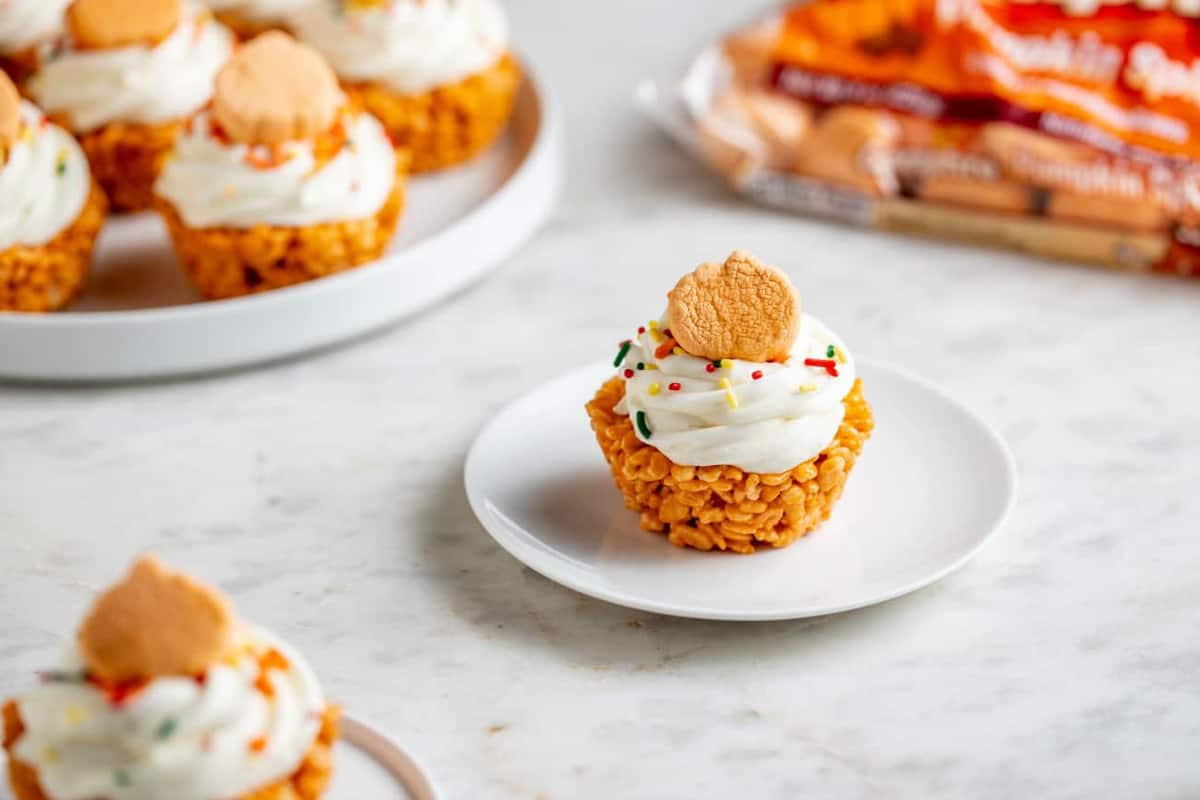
{"x": 1069, "y": 129}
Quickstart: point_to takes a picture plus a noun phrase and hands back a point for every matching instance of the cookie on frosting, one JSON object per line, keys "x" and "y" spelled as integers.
{"x": 740, "y": 309}
{"x": 104, "y": 24}
{"x": 276, "y": 89}
{"x": 156, "y": 623}
{"x": 10, "y": 116}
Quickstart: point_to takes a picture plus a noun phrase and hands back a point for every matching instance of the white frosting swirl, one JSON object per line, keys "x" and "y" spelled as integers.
{"x": 139, "y": 83}
{"x": 259, "y": 10}
{"x": 43, "y": 184}
{"x": 410, "y": 46}
{"x": 212, "y": 182}
{"x": 183, "y": 738}
{"x": 784, "y": 417}
{"x": 26, "y": 23}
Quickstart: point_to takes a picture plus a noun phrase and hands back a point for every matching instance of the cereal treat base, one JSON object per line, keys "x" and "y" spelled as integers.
{"x": 126, "y": 159}
{"x": 309, "y": 782}
{"x": 448, "y": 125}
{"x": 49, "y": 276}
{"x": 231, "y": 262}
{"x": 722, "y": 507}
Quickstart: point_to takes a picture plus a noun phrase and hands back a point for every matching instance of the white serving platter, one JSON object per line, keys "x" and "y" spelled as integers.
{"x": 139, "y": 318}
{"x": 933, "y": 485}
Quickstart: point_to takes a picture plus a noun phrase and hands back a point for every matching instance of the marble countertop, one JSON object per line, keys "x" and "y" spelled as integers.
{"x": 325, "y": 494}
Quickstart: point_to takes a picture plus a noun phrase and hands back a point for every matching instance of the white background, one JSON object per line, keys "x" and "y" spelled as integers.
{"x": 326, "y": 496}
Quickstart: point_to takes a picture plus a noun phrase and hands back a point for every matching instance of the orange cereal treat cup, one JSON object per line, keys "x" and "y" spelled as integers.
{"x": 51, "y": 211}
{"x": 162, "y": 629}
{"x": 283, "y": 182}
{"x": 448, "y": 125}
{"x": 159, "y": 60}
{"x": 725, "y": 452}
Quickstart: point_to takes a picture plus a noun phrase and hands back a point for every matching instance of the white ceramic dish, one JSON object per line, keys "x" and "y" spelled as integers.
{"x": 367, "y": 764}
{"x": 138, "y": 317}
{"x": 933, "y": 484}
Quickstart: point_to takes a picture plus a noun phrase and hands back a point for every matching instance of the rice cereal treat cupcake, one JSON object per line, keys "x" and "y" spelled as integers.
{"x": 127, "y": 75}
{"x": 437, "y": 73}
{"x": 249, "y": 18}
{"x": 734, "y": 420}
{"x": 27, "y": 28}
{"x": 51, "y": 210}
{"x": 282, "y": 181}
{"x": 165, "y": 694}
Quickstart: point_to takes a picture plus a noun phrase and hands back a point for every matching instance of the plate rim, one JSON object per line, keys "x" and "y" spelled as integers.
{"x": 382, "y": 748}
{"x": 537, "y": 182}
{"x": 529, "y": 557}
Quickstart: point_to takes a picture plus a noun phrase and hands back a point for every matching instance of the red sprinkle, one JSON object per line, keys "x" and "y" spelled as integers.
{"x": 628, "y": 373}
{"x": 828, "y": 364}
{"x": 674, "y": 387}
{"x": 641, "y": 330}
{"x": 756, "y": 374}
{"x": 709, "y": 368}
{"x": 665, "y": 349}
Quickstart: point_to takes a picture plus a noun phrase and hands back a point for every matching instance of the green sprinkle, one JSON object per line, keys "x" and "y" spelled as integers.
{"x": 61, "y": 168}
{"x": 643, "y": 428}
{"x": 167, "y": 728}
{"x": 831, "y": 352}
{"x": 625, "y": 345}
{"x": 641, "y": 365}
{"x": 122, "y": 778}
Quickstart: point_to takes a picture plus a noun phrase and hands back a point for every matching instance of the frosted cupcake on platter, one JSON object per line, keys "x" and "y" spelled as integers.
{"x": 165, "y": 694}
{"x": 249, "y": 18}
{"x": 735, "y": 419}
{"x": 437, "y": 73}
{"x": 51, "y": 210}
{"x": 27, "y": 28}
{"x": 124, "y": 79}
{"x": 282, "y": 181}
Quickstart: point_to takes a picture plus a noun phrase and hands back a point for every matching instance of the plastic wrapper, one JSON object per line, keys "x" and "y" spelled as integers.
{"x": 1069, "y": 129}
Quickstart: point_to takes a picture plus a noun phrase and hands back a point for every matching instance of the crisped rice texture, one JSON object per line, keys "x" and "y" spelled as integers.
{"x": 49, "y": 276}
{"x": 231, "y": 262}
{"x": 450, "y": 124}
{"x": 126, "y": 158}
{"x": 308, "y": 782}
{"x": 724, "y": 507}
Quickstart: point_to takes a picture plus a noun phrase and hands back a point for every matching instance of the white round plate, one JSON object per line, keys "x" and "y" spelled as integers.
{"x": 933, "y": 484}
{"x": 370, "y": 765}
{"x": 366, "y": 764}
{"x": 139, "y": 318}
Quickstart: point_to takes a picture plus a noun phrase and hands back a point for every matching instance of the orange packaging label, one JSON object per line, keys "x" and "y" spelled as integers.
{"x": 1121, "y": 79}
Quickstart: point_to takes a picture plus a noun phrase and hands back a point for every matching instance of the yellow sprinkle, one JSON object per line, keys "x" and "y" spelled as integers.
{"x": 808, "y": 387}
{"x": 651, "y": 366}
{"x": 50, "y": 755}
{"x": 679, "y": 351}
{"x": 652, "y": 326}
{"x": 726, "y": 363}
{"x": 75, "y": 715}
{"x": 837, "y": 353}
{"x": 653, "y": 389}
{"x": 730, "y": 398}
{"x": 26, "y": 133}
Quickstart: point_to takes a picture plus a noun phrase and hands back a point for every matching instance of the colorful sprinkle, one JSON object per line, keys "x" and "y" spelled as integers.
{"x": 756, "y": 375}
{"x": 628, "y": 373}
{"x": 674, "y": 387}
{"x": 679, "y": 351}
{"x": 258, "y": 744}
{"x": 643, "y": 428}
{"x": 808, "y": 387}
{"x": 839, "y": 355}
{"x": 665, "y": 348}
{"x": 624, "y": 351}
{"x": 641, "y": 329}
{"x": 166, "y": 728}
{"x": 830, "y": 352}
{"x": 50, "y": 755}
{"x": 59, "y": 676}
{"x": 730, "y": 397}
{"x": 75, "y": 714}
{"x": 652, "y": 367}
{"x": 829, "y": 365}
{"x": 653, "y": 389}
{"x": 641, "y": 365}
{"x": 654, "y": 334}
{"x": 710, "y": 367}
{"x": 60, "y": 164}
{"x": 725, "y": 363}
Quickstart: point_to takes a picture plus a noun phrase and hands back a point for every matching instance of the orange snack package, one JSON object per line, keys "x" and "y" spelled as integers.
{"x": 1070, "y": 129}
